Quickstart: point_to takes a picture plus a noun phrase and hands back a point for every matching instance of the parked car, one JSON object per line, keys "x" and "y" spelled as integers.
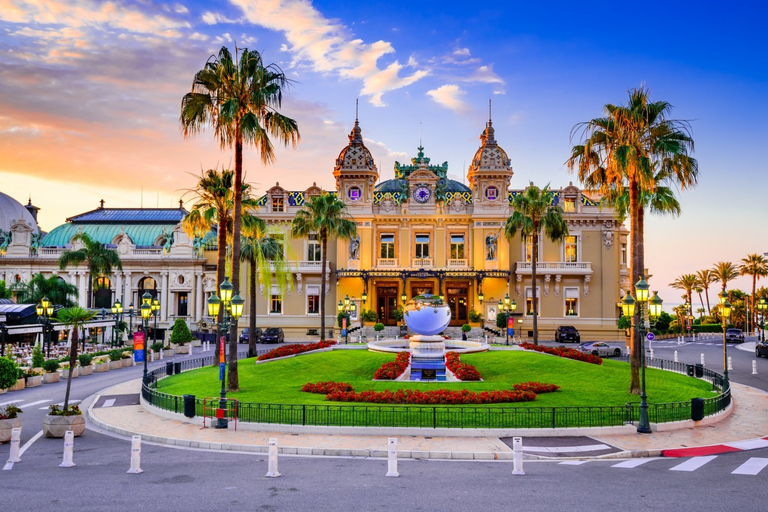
{"x": 273, "y": 335}
{"x": 599, "y": 348}
{"x": 734, "y": 335}
{"x": 245, "y": 335}
{"x": 567, "y": 333}
{"x": 761, "y": 349}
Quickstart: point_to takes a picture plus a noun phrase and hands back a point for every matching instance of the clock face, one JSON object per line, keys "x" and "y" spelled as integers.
{"x": 422, "y": 194}
{"x": 354, "y": 193}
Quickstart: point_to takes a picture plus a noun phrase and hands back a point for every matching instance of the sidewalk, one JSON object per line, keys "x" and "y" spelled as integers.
{"x": 741, "y": 429}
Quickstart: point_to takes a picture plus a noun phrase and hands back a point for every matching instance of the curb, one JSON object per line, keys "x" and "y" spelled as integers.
{"x": 715, "y": 449}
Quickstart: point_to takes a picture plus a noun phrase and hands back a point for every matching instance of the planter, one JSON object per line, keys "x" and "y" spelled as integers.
{"x": 196, "y": 343}
{"x": 127, "y": 361}
{"x": 6, "y": 426}
{"x": 168, "y": 352}
{"x": 50, "y": 378}
{"x": 103, "y": 367}
{"x": 34, "y": 381}
{"x": 86, "y": 370}
{"x": 3, "y": 391}
{"x": 75, "y": 373}
{"x": 20, "y": 384}
{"x": 57, "y": 426}
{"x": 182, "y": 349}
{"x": 115, "y": 365}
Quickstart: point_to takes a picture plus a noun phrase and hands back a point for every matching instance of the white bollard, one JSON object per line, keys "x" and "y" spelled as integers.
{"x": 517, "y": 452}
{"x": 392, "y": 457}
{"x": 651, "y": 354}
{"x": 730, "y": 364}
{"x": 754, "y": 367}
{"x": 161, "y": 354}
{"x": 190, "y": 349}
{"x": 135, "y": 456}
{"x": 702, "y": 359}
{"x": 15, "y": 445}
{"x": 69, "y": 444}
{"x": 676, "y": 356}
{"x": 273, "y": 472}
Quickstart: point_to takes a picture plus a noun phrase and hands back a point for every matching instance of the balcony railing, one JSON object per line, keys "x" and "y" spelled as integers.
{"x": 453, "y": 263}
{"x": 557, "y": 267}
{"x": 305, "y": 266}
{"x": 421, "y": 262}
{"x": 387, "y": 262}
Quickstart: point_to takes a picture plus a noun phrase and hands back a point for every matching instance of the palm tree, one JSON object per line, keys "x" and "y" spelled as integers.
{"x": 686, "y": 282}
{"x": 264, "y": 255}
{"x": 99, "y": 260}
{"x": 325, "y": 215}
{"x": 754, "y": 265}
{"x": 533, "y": 212}
{"x": 698, "y": 290}
{"x": 54, "y": 288}
{"x": 240, "y": 100}
{"x": 74, "y": 317}
{"x": 725, "y": 271}
{"x": 630, "y": 148}
{"x": 706, "y": 277}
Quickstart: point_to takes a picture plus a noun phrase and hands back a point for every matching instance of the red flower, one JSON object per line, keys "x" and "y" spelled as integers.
{"x": 462, "y": 371}
{"x": 289, "y": 350}
{"x": 391, "y": 371}
{"x": 564, "y": 352}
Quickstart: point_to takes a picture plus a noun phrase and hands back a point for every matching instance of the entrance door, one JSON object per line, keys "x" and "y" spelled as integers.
{"x": 386, "y": 304}
{"x": 421, "y": 289}
{"x": 458, "y": 300}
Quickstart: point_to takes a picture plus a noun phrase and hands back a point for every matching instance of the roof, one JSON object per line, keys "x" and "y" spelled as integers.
{"x": 10, "y": 210}
{"x": 141, "y": 234}
{"x": 15, "y": 311}
{"x": 131, "y": 215}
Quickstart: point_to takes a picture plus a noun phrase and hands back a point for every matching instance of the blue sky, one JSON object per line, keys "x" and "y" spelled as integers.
{"x": 90, "y": 92}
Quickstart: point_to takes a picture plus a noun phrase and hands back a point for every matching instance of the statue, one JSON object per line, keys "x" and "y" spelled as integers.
{"x": 490, "y": 247}
{"x": 34, "y": 243}
{"x": 354, "y": 248}
{"x": 168, "y": 243}
{"x": 5, "y": 239}
{"x": 198, "y": 245}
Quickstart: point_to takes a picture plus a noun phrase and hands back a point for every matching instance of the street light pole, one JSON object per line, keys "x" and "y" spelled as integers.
{"x": 146, "y": 311}
{"x": 762, "y": 306}
{"x": 155, "y": 312}
{"x": 45, "y": 310}
{"x": 117, "y": 311}
{"x": 725, "y": 312}
{"x": 130, "y": 321}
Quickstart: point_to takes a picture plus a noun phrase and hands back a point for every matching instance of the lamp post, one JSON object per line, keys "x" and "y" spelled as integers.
{"x": 762, "y": 306}
{"x": 725, "y": 312}
{"x": 146, "y": 311}
{"x": 233, "y": 309}
{"x": 155, "y": 312}
{"x": 117, "y": 311}
{"x": 130, "y": 321}
{"x": 349, "y": 307}
{"x": 45, "y": 311}
{"x": 688, "y": 317}
{"x": 628, "y": 308}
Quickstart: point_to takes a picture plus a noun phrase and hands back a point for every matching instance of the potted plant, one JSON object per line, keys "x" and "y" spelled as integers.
{"x": 127, "y": 358}
{"x": 180, "y": 336}
{"x": 85, "y": 360}
{"x": 9, "y": 419}
{"x": 65, "y": 369}
{"x": 9, "y": 373}
{"x": 115, "y": 359}
{"x": 33, "y": 377}
{"x": 168, "y": 351}
{"x": 464, "y": 330}
{"x": 51, "y": 375}
{"x": 475, "y": 317}
{"x": 37, "y": 357}
{"x": 101, "y": 364}
{"x": 368, "y": 315}
{"x": 58, "y": 421}
{"x": 21, "y": 382}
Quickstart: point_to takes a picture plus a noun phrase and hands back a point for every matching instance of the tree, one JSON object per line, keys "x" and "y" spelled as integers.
{"x": 240, "y": 100}
{"x": 54, "y": 288}
{"x": 632, "y": 147}
{"x": 74, "y": 317}
{"x": 725, "y": 271}
{"x": 686, "y": 282}
{"x": 99, "y": 260}
{"x": 534, "y": 212}
{"x": 325, "y": 215}
{"x": 180, "y": 332}
{"x": 706, "y": 277}
{"x": 754, "y": 265}
{"x": 5, "y": 293}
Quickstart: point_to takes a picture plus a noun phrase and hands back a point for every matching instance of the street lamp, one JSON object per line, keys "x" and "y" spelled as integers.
{"x": 688, "y": 317}
{"x": 117, "y": 311}
{"x": 155, "y": 311}
{"x": 146, "y": 311}
{"x": 403, "y": 297}
{"x": 45, "y": 311}
{"x": 130, "y": 321}
{"x": 233, "y": 309}
{"x": 725, "y": 312}
{"x": 349, "y": 307}
{"x": 762, "y": 306}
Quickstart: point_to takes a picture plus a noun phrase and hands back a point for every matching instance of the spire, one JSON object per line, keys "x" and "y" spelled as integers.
{"x": 357, "y": 105}
{"x": 356, "y": 136}
{"x": 488, "y": 136}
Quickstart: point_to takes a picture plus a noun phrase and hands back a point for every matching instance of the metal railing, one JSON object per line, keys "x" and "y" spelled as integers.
{"x": 444, "y": 416}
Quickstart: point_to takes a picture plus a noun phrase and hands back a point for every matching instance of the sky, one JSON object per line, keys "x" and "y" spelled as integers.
{"x": 90, "y": 96}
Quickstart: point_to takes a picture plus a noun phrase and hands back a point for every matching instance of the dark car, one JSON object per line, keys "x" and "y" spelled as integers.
{"x": 567, "y": 334}
{"x": 273, "y": 335}
{"x": 761, "y": 349}
{"x": 734, "y": 335}
{"x": 245, "y": 335}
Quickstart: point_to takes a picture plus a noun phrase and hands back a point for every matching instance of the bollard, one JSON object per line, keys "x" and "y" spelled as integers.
{"x": 651, "y": 353}
{"x": 392, "y": 457}
{"x": 190, "y": 349}
{"x": 754, "y": 367}
{"x": 517, "y": 451}
{"x": 161, "y": 354}
{"x": 702, "y": 359}
{"x": 730, "y": 364}
{"x": 273, "y": 472}
{"x": 69, "y": 443}
{"x": 676, "y": 356}
{"x": 135, "y": 456}
{"x": 15, "y": 445}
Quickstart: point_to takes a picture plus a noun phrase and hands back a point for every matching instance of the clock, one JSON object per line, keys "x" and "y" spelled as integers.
{"x": 422, "y": 193}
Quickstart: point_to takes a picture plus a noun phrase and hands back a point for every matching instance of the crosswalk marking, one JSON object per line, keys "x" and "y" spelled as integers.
{"x": 574, "y": 462}
{"x": 632, "y": 463}
{"x": 566, "y": 449}
{"x": 36, "y": 403}
{"x": 11, "y": 402}
{"x": 752, "y": 467}
{"x": 109, "y": 403}
{"x": 693, "y": 464}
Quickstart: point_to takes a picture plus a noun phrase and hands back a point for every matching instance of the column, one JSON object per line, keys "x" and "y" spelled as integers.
{"x": 128, "y": 291}
{"x": 118, "y": 287}
{"x": 199, "y": 297}
{"x": 83, "y": 288}
{"x": 164, "y": 297}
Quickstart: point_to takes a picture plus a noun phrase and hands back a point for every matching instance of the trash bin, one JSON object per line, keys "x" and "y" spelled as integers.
{"x": 699, "y": 370}
{"x": 177, "y": 368}
{"x": 697, "y": 409}
{"x": 169, "y": 368}
{"x": 189, "y": 406}
{"x": 689, "y": 367}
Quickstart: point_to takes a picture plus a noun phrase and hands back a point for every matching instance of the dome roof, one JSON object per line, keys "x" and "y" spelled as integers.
{"x": 390, "y": 185}
{"x": 455, "y": 186}
{"x": 12, "y": 210}
{"x": 490, "y": 157}
{"x": 355, "y": 157}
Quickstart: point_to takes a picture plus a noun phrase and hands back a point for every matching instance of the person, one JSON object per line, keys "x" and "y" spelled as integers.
{"x": 463, "y": 336}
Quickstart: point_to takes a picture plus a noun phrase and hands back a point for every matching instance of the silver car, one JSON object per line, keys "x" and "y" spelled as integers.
{"x": 734, "y": 335}
{"x": 599, "y": 348}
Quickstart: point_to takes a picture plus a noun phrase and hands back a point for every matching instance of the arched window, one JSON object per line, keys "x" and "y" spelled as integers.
{"x": 147, "y": 284}
{"x": 102, "y": 292}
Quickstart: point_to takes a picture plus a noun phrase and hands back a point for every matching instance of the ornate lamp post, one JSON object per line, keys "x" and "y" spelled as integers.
{"x": 146, "y": 312}
{"x": 44, "y": 310}
{"x": 233, "y": 309}
{"x": 725, "y": 313}
{"x": 762, "y": 306}
{"x": 155, "y": 312}
{"x": 117, "y": 311}
{"x": 348, "y": 306}
{"x": 130, "y": 321}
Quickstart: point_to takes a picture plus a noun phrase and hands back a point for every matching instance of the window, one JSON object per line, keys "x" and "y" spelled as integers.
{"x": 313, "y": 248}
{"x": 624, "y": 254}
{"x": 491, "y": 193}
{"x": 528, "y": 248}
{"x": 422, "y": 245}
{"x": 277, "y": 203}
{"x": 457, "y": 247}
{"x": 313, "y": 300}
{"x": 276, "y": 303}
{"x": 571, "y": 302}
{"x": 280, "y": 239}
{"x": 354, "y": 193}
{"x": 571, "y": 248}
{"x": 181, "y": 303}
{"x": 569, "y": 205}
{"x": 387, "y": 246}
{"x": 529, "y": 301}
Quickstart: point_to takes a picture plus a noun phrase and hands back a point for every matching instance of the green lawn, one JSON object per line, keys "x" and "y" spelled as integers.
{"x": 582, "y": 384}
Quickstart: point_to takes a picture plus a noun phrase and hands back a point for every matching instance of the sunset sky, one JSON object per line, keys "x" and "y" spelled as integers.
{"x": 90, "y": 94}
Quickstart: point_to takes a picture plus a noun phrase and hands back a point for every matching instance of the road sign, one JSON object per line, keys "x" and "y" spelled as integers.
{"x": 649, "y": 336}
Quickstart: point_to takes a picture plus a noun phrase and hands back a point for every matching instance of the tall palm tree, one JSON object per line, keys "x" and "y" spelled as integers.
{"x": 754, "y": 265}
{"x": 706, "y": 277}
{"x": 533, "y": 212}
{"x": 74, "y": 317}
{"x": 627, "y": 149}
{"x": 99, "y": 260}
{"x": 698, "y": 290}
{"x": 686, "y": 282}
{"x": 239, "y": 99}
{"x": 725, "y": 271}
{"x": 327, "y": 216}
{"x": 58, "y": 291}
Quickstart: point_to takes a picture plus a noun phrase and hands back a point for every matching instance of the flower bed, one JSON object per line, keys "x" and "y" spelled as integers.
{"x": 564, "y": 352}
{"x": 326, "y": 387}
{"x": 462, "y": 371}
{"x": 536, "y": 387}
{"x": 290, "y": 350}
{"x": 391, "y": 371}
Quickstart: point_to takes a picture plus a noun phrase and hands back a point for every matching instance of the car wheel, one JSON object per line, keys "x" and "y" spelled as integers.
{"x": 596, "y": 353}
{"x": 617, "y": 352}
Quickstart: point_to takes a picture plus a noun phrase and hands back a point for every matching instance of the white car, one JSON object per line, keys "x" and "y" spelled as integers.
{"x": 599, "y": 348}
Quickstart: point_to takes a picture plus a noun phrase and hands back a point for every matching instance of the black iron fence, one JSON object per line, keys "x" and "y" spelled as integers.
{"x": 493, "y": 416}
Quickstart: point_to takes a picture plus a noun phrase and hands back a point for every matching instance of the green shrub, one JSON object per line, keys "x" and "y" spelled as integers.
{"x": 501, "y": 320}
{"x": 708, "y": 328}
{"x": 624, "y": 322}
{"x": 116, "y": 355}
{"x": 466, "y": 328}
{"x": 662, "y": 323}
{"x": 474, "y": 316}
{"x": 181, "y": 334}
{"x": 340, "y": 316}
{"x": 398, "y": 314}
{"x": 85, "y": 359}
{"x": 156, "y": 347}
{"x": 37, "y": 357}
{"x": 369, "y": 315}
{"x": 50, "y": 366}
{"x": 9, "y": 373}
{"x": 378, "y": 327}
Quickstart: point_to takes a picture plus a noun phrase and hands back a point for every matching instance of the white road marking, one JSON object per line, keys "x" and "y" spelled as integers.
{"x": 749, "y": 445}
{"x": 565, "y": 449}
{"x": 633, "y": 463}
{"x": 109, "y": 403}
{"x": 752, "y": 467}
{"x": 36, "y": 403}
{"x": 11, "y": 402}
{"x": 574, "y": 462}
{"x": 693, "y": 464}
{"x": 9, "y": 465}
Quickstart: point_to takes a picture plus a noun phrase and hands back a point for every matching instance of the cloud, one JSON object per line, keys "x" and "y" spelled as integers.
{"x": 449, "y": 96}
{"x": 486, "y": 75}
{"x": 214, "y": 18}
{"x": 329, "y": 47}
{"x": 462, "y": 52}
{"x": 180, "y": 9}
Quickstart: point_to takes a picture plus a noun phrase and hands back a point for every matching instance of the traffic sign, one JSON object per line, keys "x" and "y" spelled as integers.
{"x": 649, "y": 336}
